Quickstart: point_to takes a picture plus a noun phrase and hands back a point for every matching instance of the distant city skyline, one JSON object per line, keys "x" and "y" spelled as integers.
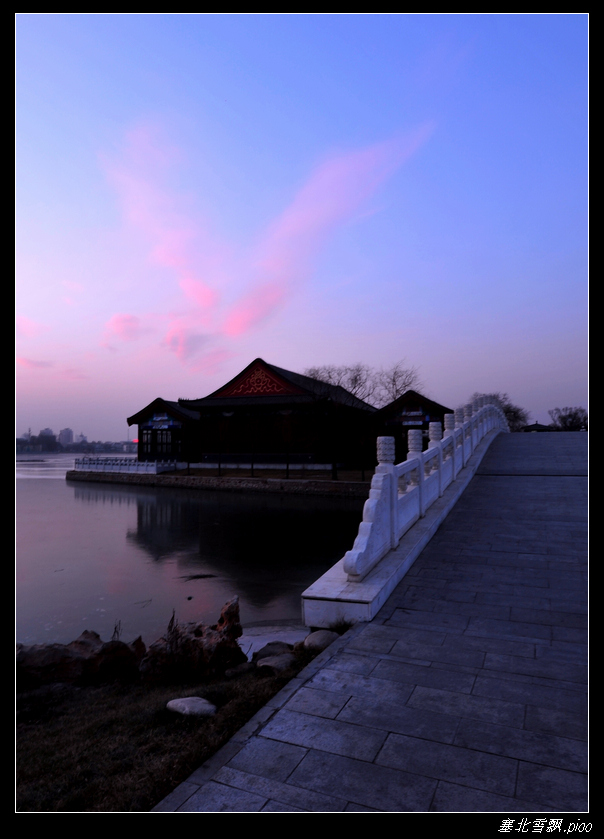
{"x": 195, "y": 191}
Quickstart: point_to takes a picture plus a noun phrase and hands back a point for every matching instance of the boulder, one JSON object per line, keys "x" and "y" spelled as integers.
{"x": 192, "y": 706}
{"x": 277, "y": 663}
{"x": 86, "y": 660}
{"x": 195, "y": 650}
{"x": 320, "y": 640}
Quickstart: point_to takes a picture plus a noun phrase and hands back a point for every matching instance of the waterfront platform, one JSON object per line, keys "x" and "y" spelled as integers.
{"x": 467, "y": 692}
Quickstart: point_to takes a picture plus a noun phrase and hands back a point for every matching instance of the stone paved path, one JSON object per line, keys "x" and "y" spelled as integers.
{"x": 467, "y": 692}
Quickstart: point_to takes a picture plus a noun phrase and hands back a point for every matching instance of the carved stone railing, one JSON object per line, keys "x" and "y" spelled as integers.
{"x": 129, "y": 465}
{"x": 401, "y": 493}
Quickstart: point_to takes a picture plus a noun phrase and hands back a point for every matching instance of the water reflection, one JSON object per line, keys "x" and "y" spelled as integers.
{"x": 91, "y": 554}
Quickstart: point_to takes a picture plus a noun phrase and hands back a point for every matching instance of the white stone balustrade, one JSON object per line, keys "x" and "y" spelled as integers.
{"x": 128, "y": 465}
{"x": 400, "y": 494}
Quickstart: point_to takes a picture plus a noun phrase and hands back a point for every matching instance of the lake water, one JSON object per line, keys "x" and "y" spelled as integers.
{"x": 89, "y": 555}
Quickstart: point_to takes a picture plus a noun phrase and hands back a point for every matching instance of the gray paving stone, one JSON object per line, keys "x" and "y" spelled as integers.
{"x": 453, "y": 798}
{"x": 271, "y": 759}
{"x": 353, "y": 684}
{"x": 468, "y": 767}
{"x": 565, "y": 790}
{"x": 428, "y": 620}
{"x": 528, "y": 632}
{"x": 219, "y": 798}
{"x": 381, "y": 639}
{"x": 428, "y": 676}
{"x": 289, "y": 795}
{"x": 354, "y": 663}
{"x": 530, "y": 694}
{"x": 548, "y": 750}
{"x": 536, "y": 667}
{"x": 392, "y": 717}
{"x": 318, "y": 703}
{"x": 340, "y": 738}
{"x": 468, "y": 706}
{"x": 486, "y": 644}
{"x": 365, "y": 784}
{"x": 557, "y": 722}
{"x": 451, "y": 653}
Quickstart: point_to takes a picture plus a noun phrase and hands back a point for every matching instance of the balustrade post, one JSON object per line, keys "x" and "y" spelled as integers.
{"x": 414, "y": 451}
{"x": 385, "y": 458}
{"x": 435, "y": 431}
{"x": 450, "y": 422}
{"x": 467, "y": 415}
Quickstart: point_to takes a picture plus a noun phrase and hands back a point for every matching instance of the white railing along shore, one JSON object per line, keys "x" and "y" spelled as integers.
{"x": 128, "y": 465}
{"x": 401, "y": 493}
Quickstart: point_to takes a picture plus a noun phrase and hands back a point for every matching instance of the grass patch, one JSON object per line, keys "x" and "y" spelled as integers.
{"x": 115, "y": 748}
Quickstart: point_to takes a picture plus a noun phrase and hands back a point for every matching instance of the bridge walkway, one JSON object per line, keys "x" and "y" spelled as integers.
{"x": 467, "y": 692}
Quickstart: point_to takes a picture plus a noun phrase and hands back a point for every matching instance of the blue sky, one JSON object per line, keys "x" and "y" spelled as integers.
{"x": 194, "y": 191}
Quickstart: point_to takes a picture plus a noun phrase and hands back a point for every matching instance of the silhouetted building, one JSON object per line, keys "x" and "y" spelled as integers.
{"x": 410, "y": 411}
{"x": 265, "y": 414}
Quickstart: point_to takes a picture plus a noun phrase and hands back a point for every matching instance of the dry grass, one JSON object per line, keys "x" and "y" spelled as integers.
{"x": 116, "y": 748}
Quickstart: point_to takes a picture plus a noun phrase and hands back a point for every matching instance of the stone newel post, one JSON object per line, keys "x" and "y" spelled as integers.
{"x": 435, "y": 431}
{"x": 385, "y": 450}
{"x": 449, "y": 425}
{"x": 414, "y": 442}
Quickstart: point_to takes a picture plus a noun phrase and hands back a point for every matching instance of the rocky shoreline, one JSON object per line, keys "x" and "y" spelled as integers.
{"x": 186, "y": 652}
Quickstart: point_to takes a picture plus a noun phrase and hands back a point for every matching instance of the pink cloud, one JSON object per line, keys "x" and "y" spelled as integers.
{"x": 180, "y": 242}
{"x": 73, "y": 374}
{"x": 184, "y": 341}
{"x": 199, "y": 292}
{"x": 125, "y": 327}
{"x": 29, "y": 328}
{"x": 333, "y": 193}
{"x": 33, "y": 365}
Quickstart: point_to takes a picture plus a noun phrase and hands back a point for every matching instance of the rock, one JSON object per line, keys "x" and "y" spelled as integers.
{"x": 192, "y": 706}
{"x": 277, "y": 663}
{"x": 194, "y": 650}
{"x": 320, "y": 639}
{"x": 271, "y": 649}
{"x": 86, "y": 660}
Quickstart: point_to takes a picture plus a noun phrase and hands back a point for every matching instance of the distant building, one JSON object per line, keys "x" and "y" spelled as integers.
{"x": 66, "y": 437}
{"x": 81, "y": 438}
{"x": 46, "y": 432}
{"x": 410, "y": 411}
{"x": 537, "y": 427}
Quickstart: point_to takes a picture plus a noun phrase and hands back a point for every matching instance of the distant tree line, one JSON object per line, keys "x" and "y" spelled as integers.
{"x": 568, "y": 419}
{"x": 516, "y": 416}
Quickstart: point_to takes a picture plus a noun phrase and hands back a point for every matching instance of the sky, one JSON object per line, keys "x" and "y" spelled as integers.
{"x": 194, "y": 191}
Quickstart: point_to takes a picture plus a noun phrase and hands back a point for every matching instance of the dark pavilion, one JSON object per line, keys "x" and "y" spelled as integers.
{"x": 270, "y": 415}
{"x": 264, "y": 415}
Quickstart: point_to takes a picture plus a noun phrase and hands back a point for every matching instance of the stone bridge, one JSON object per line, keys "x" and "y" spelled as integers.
{"x": 466, "y": 690}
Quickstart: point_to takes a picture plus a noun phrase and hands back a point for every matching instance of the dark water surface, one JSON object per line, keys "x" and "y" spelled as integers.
{"x": 89, "y": 555}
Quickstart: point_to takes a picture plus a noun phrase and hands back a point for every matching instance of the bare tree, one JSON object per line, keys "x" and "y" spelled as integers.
{"x": 393, "y": 381}
{"x": 569, "y": 419}
{"x": 376, "y": 386}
